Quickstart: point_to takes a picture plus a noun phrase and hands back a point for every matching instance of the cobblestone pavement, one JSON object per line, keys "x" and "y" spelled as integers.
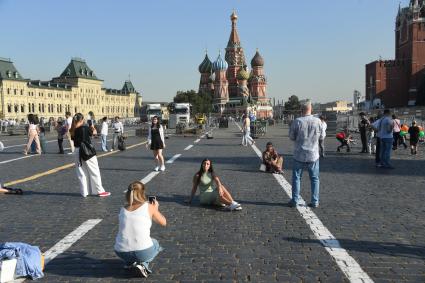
{"x": 377, "y": 215}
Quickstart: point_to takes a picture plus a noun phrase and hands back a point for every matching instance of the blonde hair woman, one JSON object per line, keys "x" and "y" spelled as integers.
{"x": 133, "y": 243}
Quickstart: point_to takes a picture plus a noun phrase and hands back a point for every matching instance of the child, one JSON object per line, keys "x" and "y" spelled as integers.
{"x": 414, "y": 138}
{"x": 61, "y": 130}
{"x": 345, "y": 139}
{"x": 42, "y": 137}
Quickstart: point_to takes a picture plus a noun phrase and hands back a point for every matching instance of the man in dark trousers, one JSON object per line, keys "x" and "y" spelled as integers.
{"x": 364, "y": 124}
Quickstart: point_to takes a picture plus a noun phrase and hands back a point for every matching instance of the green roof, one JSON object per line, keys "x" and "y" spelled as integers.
{"x": 128, "y": 87}
{"x": 78, "y": 68}
{"x": 8, "y": 70}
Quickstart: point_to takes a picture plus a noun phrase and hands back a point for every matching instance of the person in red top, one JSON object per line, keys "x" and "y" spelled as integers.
{"x": 344, "y": 138}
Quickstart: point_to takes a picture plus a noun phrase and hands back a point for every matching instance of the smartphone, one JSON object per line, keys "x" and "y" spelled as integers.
{"x": 152, "y": 199}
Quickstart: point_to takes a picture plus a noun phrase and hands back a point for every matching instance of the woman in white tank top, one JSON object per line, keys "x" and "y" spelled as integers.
{"x": 133, "y": 243}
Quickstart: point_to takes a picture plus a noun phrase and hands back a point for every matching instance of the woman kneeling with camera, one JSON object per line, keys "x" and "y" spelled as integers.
{"x": 133, "y": 243}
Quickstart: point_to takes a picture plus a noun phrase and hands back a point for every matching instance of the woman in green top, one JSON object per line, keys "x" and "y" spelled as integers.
{"x": 210, "y": 195}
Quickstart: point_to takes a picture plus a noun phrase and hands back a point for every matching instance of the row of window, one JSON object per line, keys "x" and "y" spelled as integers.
{"x": 59, "y": 108}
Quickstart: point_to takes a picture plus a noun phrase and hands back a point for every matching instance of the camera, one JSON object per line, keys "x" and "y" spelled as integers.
{"x": 152, "y": 199}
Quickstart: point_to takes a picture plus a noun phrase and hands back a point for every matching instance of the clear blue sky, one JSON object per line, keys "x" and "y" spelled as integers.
{"x": 314, "y": 49}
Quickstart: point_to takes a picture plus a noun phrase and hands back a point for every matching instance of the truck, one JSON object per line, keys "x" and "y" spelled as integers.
{"x": 179, "y": 114}
{"x": 152, "y": 110}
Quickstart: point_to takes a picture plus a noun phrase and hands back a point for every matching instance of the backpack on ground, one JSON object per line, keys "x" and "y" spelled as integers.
{"x": 121, "y": 143}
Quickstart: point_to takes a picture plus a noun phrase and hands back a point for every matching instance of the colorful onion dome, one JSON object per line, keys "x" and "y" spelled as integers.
{"x": 220, "y": 64}
{"x": 206, "y": 65}
{"x": 242, "y": 74}
{"x": 257, "y": 60}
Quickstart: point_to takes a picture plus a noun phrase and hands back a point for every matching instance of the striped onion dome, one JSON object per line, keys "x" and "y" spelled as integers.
{"x": 206, "y": 65}
{"x": 220, "y": 64}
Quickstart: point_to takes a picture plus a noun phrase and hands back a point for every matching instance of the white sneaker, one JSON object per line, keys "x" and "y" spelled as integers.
{"x": 156, "y": 168}
{"x": 141, "y": 270}
{"x": 235, "y": 206}
{"x": 162, "y": 168}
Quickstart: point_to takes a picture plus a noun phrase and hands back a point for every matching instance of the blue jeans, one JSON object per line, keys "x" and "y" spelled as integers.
{"x": 297, "y": 172}
{"x": 143, "y": 257}
{"x": 385, "y": 151}
{"x": 103, "y": 139}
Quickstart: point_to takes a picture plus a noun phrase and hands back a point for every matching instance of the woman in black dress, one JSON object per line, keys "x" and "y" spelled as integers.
{"x": 156, "y": 142}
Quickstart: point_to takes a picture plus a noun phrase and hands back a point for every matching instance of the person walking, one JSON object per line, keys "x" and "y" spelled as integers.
{"x": 133, "y": 243}
{"x": 414, "y": 138}
{"x": 88, "y": 172}
{"x": 370, "y": 135}
{"x": 322, "y": 140}
{"x": 397, "y": 140}
{"x": 376, "y": 124}
{"x": 246, "y": 130}
{"x": 156, "y": 142}
{"x": 104, "y": 133}
{"x": 42, "y": 137}
{"x": 118, "y": 129}
{"x": 306, "y": 131}
{"x": 386, "y": 127}
{"x": 363, "y": 126}
{"x": 33, "y": 130}
{"x": 68, "y": 125}
{"x": 61, "y": 130}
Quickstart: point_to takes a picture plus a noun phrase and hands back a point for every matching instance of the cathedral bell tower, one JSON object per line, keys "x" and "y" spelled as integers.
{"x": 234, "y": 57}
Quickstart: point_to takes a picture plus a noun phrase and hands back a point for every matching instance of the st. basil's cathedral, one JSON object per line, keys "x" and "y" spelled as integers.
{"x": 234, "y": 89}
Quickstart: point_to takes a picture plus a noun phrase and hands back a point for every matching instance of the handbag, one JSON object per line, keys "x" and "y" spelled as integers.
{"x": 263, "y": 167}
{"x": 87, "y": 149}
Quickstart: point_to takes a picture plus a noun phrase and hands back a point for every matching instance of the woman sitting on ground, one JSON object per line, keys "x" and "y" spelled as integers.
{"x": 272, "y": 160}
{"x": 208, "y": 194}
{"x": 133, "y": 243}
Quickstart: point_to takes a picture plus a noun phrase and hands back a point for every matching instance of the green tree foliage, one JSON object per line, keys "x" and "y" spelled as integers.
{"x": 201, "y": 103}
{"x": 293, "y": 103}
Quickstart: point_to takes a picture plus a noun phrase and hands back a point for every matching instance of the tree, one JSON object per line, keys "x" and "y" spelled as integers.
{"x": 201, "y": 103}
{"x": 293, "y": 103}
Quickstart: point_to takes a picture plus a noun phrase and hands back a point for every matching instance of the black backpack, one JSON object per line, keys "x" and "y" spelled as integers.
{"x": 87, "y": 149}
{"x": 121, "y": 143}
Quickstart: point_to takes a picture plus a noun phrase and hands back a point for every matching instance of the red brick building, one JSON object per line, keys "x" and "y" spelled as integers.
{"x": 400, "y": 82}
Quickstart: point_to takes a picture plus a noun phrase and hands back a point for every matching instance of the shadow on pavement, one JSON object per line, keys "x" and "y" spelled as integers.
{"x": 385, "y": 248}
{"x": 78, "y": 264}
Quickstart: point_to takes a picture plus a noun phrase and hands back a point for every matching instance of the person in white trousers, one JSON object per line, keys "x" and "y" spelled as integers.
{"x": 88, "y": 172}
{"x": 246, "y": 129}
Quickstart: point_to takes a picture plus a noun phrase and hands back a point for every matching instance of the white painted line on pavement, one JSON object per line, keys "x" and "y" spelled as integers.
{"x": 18, "y": 145}
{"x": 70, "y": 239}
{"x": 172, "y": 159}
{"x": 19, "y": 158}
{"x": 189, "y": 147}
{"x": 198, "y": 140}
{"x": 345, "y": 262}
{"x": 149, "y": 177}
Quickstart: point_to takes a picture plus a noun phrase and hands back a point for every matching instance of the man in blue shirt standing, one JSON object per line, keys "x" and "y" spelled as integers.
{"x": 306, "y": 131}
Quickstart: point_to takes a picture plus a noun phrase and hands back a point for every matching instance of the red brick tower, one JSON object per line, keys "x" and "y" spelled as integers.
{"x": 410, "y": 44}
{"x": 234, "y": 57}
{"x": 257, "y": 81}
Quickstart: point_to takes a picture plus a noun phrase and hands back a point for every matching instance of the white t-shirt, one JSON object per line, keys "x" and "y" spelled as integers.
{"x": 104, "y": 130}
{"x": 134, "y": 233}
{"x": 68, "y": 122}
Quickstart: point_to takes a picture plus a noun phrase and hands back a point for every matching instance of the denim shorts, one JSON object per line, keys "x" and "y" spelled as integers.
{"x": 143, "y": 257}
